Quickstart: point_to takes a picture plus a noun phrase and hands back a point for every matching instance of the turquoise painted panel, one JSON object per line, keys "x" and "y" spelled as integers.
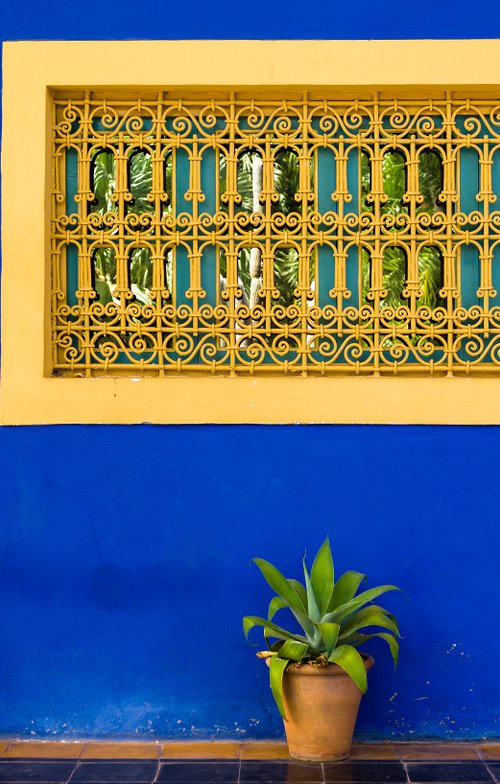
{"x": 325, "y": 275}
{"x": 353, "y": 262}
{"x": 353, "y": 180}
{"x": 71, "y": 274}
{"x": 469, "y": 180}
{"x": 470, "y": 275}
{"x": 495, "y": 276}
{"x": 182, "y": 267}
{"x": 71, "y": 184}
{"x": 495, "y": 180}
{"x": 209, "y": 265}
{"x": 326, "y": 180}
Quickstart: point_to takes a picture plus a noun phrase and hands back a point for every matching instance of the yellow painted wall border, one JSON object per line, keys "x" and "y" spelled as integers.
{"x": 31, "y": 68}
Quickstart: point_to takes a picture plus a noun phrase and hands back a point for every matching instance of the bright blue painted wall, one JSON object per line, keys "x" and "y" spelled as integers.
{"x": 125, "y": 550}
{"x": 126, "y": 571}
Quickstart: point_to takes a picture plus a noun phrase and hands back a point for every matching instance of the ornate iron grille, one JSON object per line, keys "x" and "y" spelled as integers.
{"x": 300, "y": 233}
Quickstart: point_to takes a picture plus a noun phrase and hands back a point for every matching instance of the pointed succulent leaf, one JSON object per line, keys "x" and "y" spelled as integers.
{"x": 277, "y": 667}
{"x": 322, "y": 576}
{"x": 329, "y": 633}
{"x": 351, "y": 662}
{"x": 385, "y": 612}
{"x": 359, "y": 601}
{"x": 305, "y": 622}
{"x": 280, "y": 584}
{"x": 393, "y": 646}
{"x": 329, "y": 617}
{"x": 276, "y": 603}
{"x": 299, "y": 589}
{"x": 358, "y": 639}
{"x": 344, "y": 589}
{"x": 249, "y": 621}
{"x": 293, "y": 650}
{"x": 368, "y": 616}
{"x": 312, "y": 606}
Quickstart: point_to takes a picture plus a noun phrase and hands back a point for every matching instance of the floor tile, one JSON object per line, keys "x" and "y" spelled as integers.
{"x": 33, "y": 770}
{"x": 437, "y": 751}
{"x": 494, "y": 769}
{"x": 122, "y": 750}
{"x": 448, "y": 772}
{"x": 280, "y": 772}
{"x": 374, "y": 751}
{"x": 490, "y": 751}
{"x": 43, "y": 749}
{"x": 360, "y": 772}
{"x": 199, "y": 772}
{"x": 264, "y": 751}
{"x": 200, "y": 751}
{"x": 121, "y": 772}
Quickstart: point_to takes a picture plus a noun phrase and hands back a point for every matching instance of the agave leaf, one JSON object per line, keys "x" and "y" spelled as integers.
{"x": 329, "y": 633}
{"x": 330, "y": 617}
{"x": 293, "y": 650}
{"x": 249, "y": 621}
{"x": 371, "y": 607}
{"x": 369, "y": 616}
{"x": 276, "y": 603}
{"x": 312, "y": 606}
{"x": 358, "y": 639}
{"x": 344, "y": 589}
{"x": 351, "y": 662}
{"x": 363, "y": 598}
{"x": 322, "y": 576}
{"x": 280, "y": 584}
{"x": 299, "y": 589}
{"x": 305, "y": 622}
{"x": 277, "y": 667}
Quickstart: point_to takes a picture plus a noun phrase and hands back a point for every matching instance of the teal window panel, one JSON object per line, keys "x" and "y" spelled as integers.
{"x": 71, "y": 180}
{"x": 325, "y": 276}
{"x": 352, "y": 275}
{"x": 469, "y": 180}
{"x": 353, "y": 180}
{"x": 182, "y": 265}
{"x": 470, "y": 275}
{"x": 495, "y": 277}
{"x": 209, "y": 174}
{"x": 71, "y": 274}
{"x": 326, "y": 180}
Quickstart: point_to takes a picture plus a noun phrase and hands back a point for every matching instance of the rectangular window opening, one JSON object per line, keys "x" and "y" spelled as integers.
{"x": 244, "y": 233}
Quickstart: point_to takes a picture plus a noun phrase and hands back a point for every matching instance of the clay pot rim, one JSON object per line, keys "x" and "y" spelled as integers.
{"x": 331, "y": 669}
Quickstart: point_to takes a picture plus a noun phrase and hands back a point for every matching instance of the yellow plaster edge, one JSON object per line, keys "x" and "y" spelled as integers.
{"x": 30, "y": 398}
{"x": 254, "y": 401}
{"x": 127, "y": 63}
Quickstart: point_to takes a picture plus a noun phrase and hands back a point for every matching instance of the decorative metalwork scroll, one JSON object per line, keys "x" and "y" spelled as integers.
{"x": 246, "y": 233}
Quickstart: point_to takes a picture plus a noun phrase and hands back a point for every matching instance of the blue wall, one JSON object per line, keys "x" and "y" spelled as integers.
{"x": 125, "y": 550}
{"x": 126, "y": 572}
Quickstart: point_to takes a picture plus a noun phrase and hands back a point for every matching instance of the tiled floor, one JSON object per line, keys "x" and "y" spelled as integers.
{"x": 177, "y": 763}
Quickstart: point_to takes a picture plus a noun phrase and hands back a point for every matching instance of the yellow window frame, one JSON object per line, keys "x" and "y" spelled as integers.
{"x": 30, "y": 395}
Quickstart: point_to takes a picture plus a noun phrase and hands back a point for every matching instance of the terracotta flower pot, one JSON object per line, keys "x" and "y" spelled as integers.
{"x": 321, "y": 706}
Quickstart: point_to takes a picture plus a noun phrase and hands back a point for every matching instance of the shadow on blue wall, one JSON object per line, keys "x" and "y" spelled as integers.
{"x": 126, "y": 569}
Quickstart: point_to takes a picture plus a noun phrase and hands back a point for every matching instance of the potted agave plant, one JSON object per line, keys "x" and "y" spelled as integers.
{"x": 318, "y": 676}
